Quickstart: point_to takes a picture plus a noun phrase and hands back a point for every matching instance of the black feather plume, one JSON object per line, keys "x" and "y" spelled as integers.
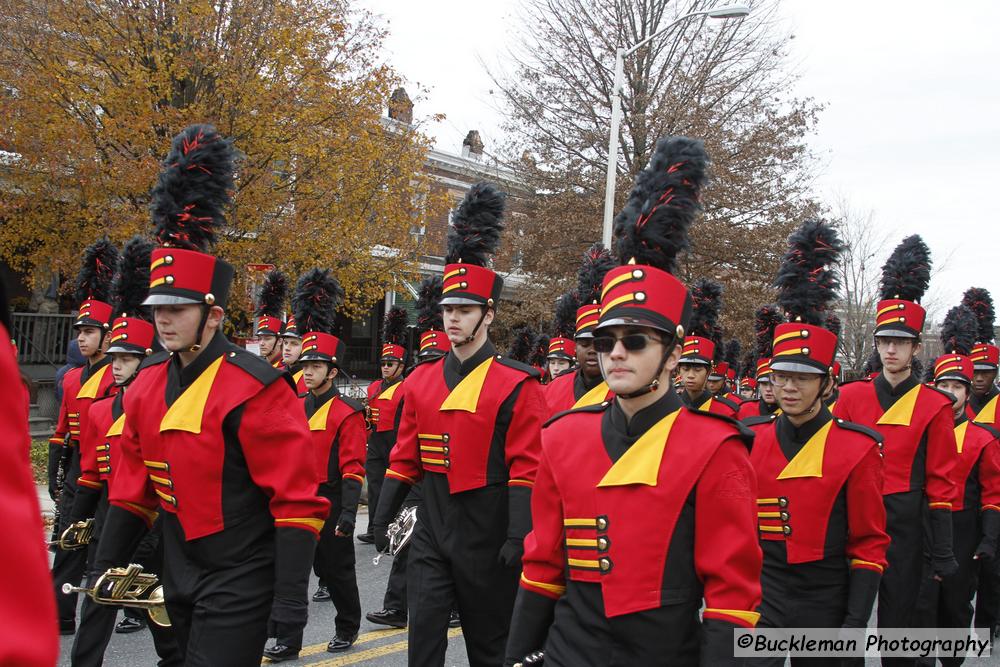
{"x": 315, "y": 301}
{"x": 907, "y": 272}
{"x": 597, "y": 261}
{"x": 194, "y": 190}
{"x": 706, "y": 305}
{"x": 832, "y": 323}
{"x": 958, "y": 331}
{"x": 749, "y": 366}
{"x": 100, "y": 259}
{"x": 474, "y": 234}
{"x": 540, "y": 350}
{"x": 272, "y": 295}
{"x": 807, "y": 284}
{"x": 565, "y": 320}
{"x": 652, "y": 228}
{"x": 131, "y": 284}
{"x": 766, "y": 319}
{"x": 523, "y": 344}
{"x": 428, "y": 304}
{"x": 979, "y": 301}
{"x": 732, "y": 354}
{"x": 394, "y": 326}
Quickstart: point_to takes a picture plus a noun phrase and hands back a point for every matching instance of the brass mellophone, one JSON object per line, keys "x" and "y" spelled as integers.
{"x": 76, "y": 536}
{"x": 128, "y": 587}
{"x": 399, "y": 532}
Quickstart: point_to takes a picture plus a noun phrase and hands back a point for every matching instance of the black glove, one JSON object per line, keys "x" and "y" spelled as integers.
{"x": 519, "y": 512}
{"x": 120, "y": 535}
{"x": 862, "y": 590}
{"x": 293, "y": 563}
{"x": 511, "y": 552}
{"x": 350, "y": 493}
{"x": 84, "y": 504}
{"x": 991, "y": 529}
{"x": 529, "y": 626}
{"x": 56, "y": 461}
{"x": 717, "y": 644}
{"x": 942, "y": 555}
{"x": 390, "y": 500}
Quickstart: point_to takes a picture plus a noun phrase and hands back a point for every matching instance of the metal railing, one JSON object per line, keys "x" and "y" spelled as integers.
{"x": 42, "y": 338}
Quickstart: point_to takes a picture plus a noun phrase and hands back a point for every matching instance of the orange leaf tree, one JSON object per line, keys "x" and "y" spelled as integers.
{"x": 93, "y": 92}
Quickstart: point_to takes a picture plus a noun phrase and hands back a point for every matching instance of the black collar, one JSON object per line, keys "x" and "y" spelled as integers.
{"x": 978, "y": 403}
{"x": 179, "y": 378}
{"x": 792, "y": 438}
{"x": 619, "y": 433}
{"x": 582, "y": 384}
{"x": 887, "y": 394}
{"x": 386, "y": 383}
{"x": 698, "y": 400}
{"x": 89, "y": 369}
{"x": 455, "y": 370}
{"x": 767, "y": 408}
{"x": 314, "y": 402}
{"x": 961, "y": 418}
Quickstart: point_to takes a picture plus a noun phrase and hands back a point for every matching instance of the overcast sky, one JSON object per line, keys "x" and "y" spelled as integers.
{"x": 910, "y": 130}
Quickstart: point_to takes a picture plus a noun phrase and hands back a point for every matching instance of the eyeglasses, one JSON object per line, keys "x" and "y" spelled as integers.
{"x": 631, "y": 342}
{"x": 798, "y": 379}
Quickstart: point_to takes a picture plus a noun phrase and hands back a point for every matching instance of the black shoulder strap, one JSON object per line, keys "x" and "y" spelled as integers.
{"x": 859, "y": 428}
{"x": 745, "y": 434}
{"x": 511, "y": 363}
{"x": 596, "y": 407}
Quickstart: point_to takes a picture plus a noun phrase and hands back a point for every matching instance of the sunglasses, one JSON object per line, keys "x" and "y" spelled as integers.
{"x": 387, "y": 364}
{"x": 631, "y": 342}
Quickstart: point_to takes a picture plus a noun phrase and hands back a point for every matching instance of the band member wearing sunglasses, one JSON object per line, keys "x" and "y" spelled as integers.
{"x": 585, "y": 386}
{"x": 469, "y": 433}
{"x": 918, "y": 439}
{"x": 383, "y": 400}
{"x": 643, "y": 509}
{"x": 819, "y": 479}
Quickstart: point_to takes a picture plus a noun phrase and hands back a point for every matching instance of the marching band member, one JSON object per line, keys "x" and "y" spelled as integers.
{"x": 632, "y": 526}
{"x": 698, "y": 358}
{"x": 470, "y": 435}
{"x": 268, "y": 324}
{"x": 240, "y": 514}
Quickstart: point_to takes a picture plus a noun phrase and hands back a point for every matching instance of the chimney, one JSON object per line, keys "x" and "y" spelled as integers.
{"x": 401, "y": 107}
{"x": 472, "y": 146}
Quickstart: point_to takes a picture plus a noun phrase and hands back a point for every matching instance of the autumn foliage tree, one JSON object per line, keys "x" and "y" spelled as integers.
{"x": 93, "y": 91}
{"x": 726, "y": 82}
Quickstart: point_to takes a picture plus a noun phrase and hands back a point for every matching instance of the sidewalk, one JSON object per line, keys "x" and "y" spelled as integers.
{"x": 48, "y": 507}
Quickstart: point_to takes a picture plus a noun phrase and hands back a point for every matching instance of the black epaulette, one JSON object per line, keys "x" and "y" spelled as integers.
{"x": 725, "y": 401}
{"x": 352, "y": 403}
{"x": 951, "y": 399}
{"x": 511, "y": 363}
{"x": 154, "y": 359}
{"x": 994, "y": 432}
{"x": 864, "y": 379}
{"x": 596, "y": 407}
{"x": 851, "y": 426}
{"x": 746, "y": 435}
{"x": 256, "y": 366}
{"x": 758, "y": 420}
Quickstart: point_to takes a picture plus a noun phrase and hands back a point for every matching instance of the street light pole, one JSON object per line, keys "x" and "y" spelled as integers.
{"x": 725, "y": 12}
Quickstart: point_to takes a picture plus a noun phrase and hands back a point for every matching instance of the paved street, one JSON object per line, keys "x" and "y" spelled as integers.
{"x": 374, "y": 647}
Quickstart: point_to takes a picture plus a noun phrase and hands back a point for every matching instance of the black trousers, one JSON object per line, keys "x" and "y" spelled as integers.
{"x": 335, "y": 566}
{"x": 219, "y": 591}
{"x": 906, "y": 515}
{"x": 376, "y": 463}
{"x": 97, "y": 621}
{"x": 454, "y": 559}
{"x": 68, "y": 567}
{"x": 948, "y": 603}
{"x": 988, "y": 596}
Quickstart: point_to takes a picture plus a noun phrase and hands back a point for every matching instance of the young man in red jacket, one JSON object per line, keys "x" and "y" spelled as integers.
{"x": 632, "y": 526}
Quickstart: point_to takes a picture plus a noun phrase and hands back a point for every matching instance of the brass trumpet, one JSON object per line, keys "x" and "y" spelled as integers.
{"x": 76, "y": 536}
{"x": 399, "y": 532}
{"x": 127, "y": 587}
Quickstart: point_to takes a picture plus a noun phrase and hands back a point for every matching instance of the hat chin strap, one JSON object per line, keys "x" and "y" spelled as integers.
{"x": 653, "y": 384}
{"x": 471, "y": 337}
{"x": 201, "y": 328}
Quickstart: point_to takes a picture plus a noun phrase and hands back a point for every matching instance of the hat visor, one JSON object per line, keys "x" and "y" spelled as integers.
{"x": 118, "y": 349}
{"x": 584, "y": 335}
{"x": 289, "y": 335}
{"x": 168, "y": 300}
{"x": 695, "y": 360}
{"x": 460, "y": 301}
{"x": 715, "y": 377}
{"x": 794, "y": 367}
{"x": 984, "y": 367}
{"x": 632, "y": 322}
{"x": 560, "y": 355}
{"x": 895, "y": 333}
{"x": 953, "y": 376}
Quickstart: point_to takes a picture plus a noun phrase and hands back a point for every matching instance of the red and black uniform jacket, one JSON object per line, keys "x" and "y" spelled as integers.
{"x": 80, "y": 387}
{"x": 575, "y": 390}
{"x": 105, "y": 421}
{"x": 472, "y": 424}
{"x": 628, "y": 512}
{"x": 337, "y": 426}
{"x": 757, "y": 408}
{"x": 295, "y": 370}
{"x": 977, "y": 474}
{"x": 219, "y": 445}
{"x": 819, "y": 506}
{"x": 917, "y": 429}
{"x": 383, "y": 400}
{"x": 706, "y": 402}
{"x": 983, "y": 409}
{"x": 731, "y": 397}
{"x": 27, "y": 606}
